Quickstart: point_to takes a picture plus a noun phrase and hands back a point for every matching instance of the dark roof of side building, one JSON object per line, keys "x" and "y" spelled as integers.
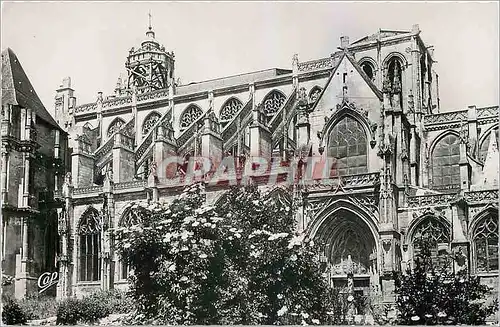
{"x": 17, "y": 88}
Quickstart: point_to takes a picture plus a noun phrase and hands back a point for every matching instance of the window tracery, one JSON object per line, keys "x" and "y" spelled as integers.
{"x": 347, "y": 143}
{"x": 445, "y": 159}
{"x": 273, "y": 102}
{"x": 433, "y": 230}
{"x": 189, "y": 116}
{"x": 129, "y": 219}
{"x": 89, "y": 231}
{"x": 149, "y": 122}
{"x": 229, "y": 110}
{"x": 483, "y": 150}
{"x": 437, "y": 234}
{"x": 485, "y": 240}
{"x": 115, "y": 126}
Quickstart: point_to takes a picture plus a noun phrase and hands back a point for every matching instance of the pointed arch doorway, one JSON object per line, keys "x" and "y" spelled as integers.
{"x": 349, "y": 252}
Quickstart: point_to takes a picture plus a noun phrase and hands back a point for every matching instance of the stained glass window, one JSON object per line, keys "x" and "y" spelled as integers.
{"x": 445, "y": 159}
{"x": 486, "y": 244}
{"x": 483, "y": 150}
{"x": 149, "y": 122}
{"x": 347, "y": 143}
{"x": 189, "y": 116}
{"x": 229, "y": 110}
{"x": 314, "y": 94}
{"x": 115, "y": 126}
{"x": 89, "y": 231}
{"x": 273, "y": 102}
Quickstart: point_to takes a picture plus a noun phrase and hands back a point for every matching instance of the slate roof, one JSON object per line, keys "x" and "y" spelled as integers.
{"x": 17, "y": 89}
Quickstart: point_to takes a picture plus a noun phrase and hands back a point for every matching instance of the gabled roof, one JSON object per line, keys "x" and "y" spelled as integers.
{"x": 372, "y": 86}
{"x": 17, "y": 89}
{"x": 365, "y": 77}
{"x": 381, "y": 34}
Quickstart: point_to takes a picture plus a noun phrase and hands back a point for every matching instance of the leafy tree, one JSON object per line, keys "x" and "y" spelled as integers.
{"x": 433, "y": 294}
{"x": 239, "y": 263}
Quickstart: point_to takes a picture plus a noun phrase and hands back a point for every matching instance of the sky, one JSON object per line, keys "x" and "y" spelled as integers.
{"x": 89, "y": 41}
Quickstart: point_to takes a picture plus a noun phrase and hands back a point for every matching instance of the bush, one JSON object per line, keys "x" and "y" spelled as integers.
{"x": 92, "y": 308}
{"x": 12, "y": 313}
{"x": 239, "y": 263}
{"x": 431, "y": 294}
{"x": 69, "y": 312}
{"x": 39, "y": 307}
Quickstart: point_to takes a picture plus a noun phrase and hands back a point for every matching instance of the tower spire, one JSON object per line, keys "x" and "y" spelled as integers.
{"x": 149, "y": 16}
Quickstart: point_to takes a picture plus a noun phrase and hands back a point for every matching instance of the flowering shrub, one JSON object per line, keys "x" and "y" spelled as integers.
{"x": 239, "y": 263}
{"x": 433, "y": 295}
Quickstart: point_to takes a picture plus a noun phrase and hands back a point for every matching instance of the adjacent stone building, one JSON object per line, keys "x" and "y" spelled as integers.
{"x": 403, "y": 168}
{"x": 34, "y": 153}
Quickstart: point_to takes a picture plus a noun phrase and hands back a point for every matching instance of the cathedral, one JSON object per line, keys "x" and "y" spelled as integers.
{"x": 402, "y": 168}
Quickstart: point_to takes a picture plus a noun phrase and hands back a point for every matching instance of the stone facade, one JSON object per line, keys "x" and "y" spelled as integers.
{"x": 403, "y": 169}
{"x": 34, "y": 153}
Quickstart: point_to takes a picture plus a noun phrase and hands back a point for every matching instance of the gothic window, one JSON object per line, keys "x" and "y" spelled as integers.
{"x": 347, "y": 143}
{"x": 314, "y": 94}
{"x": 393, "y": 79}
{"x": 485, "y": 240}
{"x": 89, "y": 232}
{"x": 368, "y": 69}
{"x": 229, "y": 110}
{"x": 130, "y": 218}
{"x": 273, "y": 102}
{"x": 483, "y": 150}
{"x": 445, "y": 159}
{"x": 149, "y": 122}
{"x": 437, "y": 234}
{"x": 433, "y": 230}
{"x": 189, "y": 116}
{"x": 115, "y": 126}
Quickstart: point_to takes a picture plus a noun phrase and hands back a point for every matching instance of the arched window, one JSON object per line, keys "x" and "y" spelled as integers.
{"x": 347, "y": 143}
{"x": 393, "y": 80}
{"x": 273, "y": 102}
{"x": 485, "y": 239}
{"x": 437, "y": 234}
{"x": 189, "y": 116}
{"x": 149, "y": 122}
{"x": 229, "y": 110}
{"x": 89, "y": 232}
{"x": 115, "y": 126}
{"x": 130, "y": 218}
{"x": 314, "y": 94}
{"x": 368, "y": 69}
{"x": 483, "y": 149}
{"x": 445, "y": 159}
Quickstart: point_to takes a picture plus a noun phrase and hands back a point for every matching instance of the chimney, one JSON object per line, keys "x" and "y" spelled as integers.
{"x": 415, "y": 29}
{"x": 344, "y": 42}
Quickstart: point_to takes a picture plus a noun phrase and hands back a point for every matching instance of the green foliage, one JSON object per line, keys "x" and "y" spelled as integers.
{"x": 12, "y": 313}
{"x": 430, "y": 294}
{"x": 239, "y": 263}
